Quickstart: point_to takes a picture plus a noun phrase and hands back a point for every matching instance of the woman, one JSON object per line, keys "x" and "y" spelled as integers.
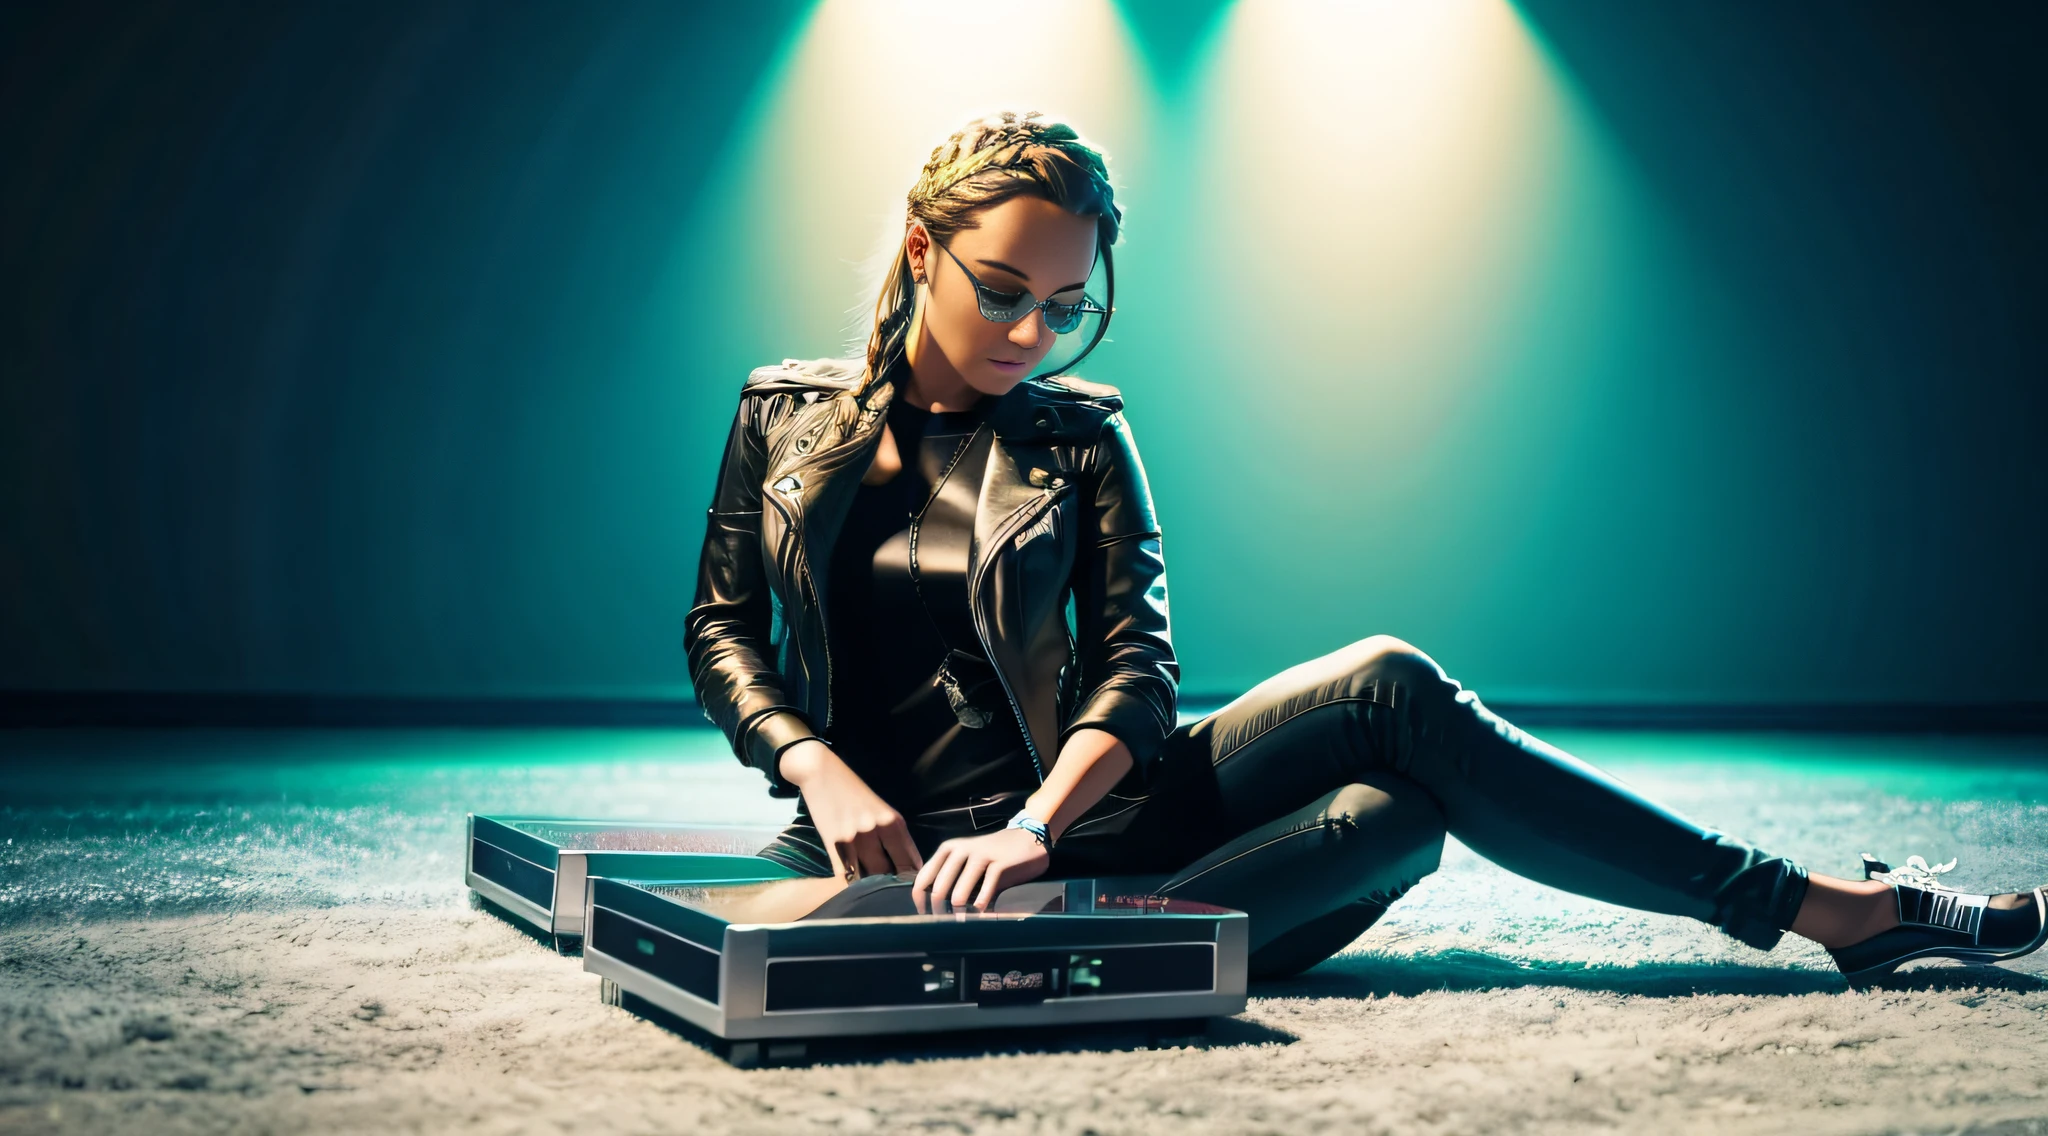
{"x": 881, "y": 628}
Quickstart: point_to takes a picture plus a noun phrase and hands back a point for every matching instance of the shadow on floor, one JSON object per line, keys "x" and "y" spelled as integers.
{"x": 1200, "y": 1033}
{"x": 479, "y": 903}
{"x": 1377, "y": 975}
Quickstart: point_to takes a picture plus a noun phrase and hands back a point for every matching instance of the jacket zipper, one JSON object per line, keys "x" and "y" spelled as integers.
{"x": 981, "y": 621}
{"x": 1047, "y": 495}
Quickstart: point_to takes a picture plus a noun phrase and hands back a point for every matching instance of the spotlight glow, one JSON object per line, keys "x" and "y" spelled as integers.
{"x": 868, "y": 87}
{"x": 1392, "y": 162}
{"x": 1434, "y": 256}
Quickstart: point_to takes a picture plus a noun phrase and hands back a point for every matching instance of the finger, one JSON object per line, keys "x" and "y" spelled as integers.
{"x": 927, "y": 875}
{"x": 923, "y": 882}
{"x": 844, "y": 863}
{"x": 921, "y": 900}
{"x": 901, "y": 848}
{"x": 873, "y": 860}
{"x": 964, "y": 889}
{"x": 991, "y": 885}
{"x": 952, "y": 860}
{"x": 942, "y": 884}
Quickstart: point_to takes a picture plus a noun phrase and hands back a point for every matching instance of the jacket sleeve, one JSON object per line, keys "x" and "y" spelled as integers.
{"x": 1129, "y": 676}
{"x": 726, "y": 634}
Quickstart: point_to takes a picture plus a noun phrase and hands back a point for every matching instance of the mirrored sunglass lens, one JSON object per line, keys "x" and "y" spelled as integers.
{"x": 1071, "y": 336}
{"x": 1004, "y": 306}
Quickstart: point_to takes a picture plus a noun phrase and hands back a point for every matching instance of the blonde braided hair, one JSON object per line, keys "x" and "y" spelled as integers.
{"x": 991, "y": 160}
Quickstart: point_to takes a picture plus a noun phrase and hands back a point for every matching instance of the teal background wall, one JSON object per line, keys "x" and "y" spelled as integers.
{"x": 1610, "y": 352}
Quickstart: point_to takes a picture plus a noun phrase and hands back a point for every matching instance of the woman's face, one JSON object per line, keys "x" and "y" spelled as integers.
{"x": 1023, "y": 244}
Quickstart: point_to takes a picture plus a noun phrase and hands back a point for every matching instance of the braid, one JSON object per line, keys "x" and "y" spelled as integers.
{"x": 999, "y": 142}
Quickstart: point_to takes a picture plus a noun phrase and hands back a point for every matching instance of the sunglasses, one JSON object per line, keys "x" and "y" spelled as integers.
{"x": 1009, "y": 307}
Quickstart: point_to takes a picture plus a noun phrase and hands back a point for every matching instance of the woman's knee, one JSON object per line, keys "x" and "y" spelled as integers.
{"x": 1395, "y": 825}
{"x": 1390, "y": 661}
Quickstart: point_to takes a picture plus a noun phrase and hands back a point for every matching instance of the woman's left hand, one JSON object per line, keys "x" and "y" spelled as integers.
{"x": 979, "y": 868}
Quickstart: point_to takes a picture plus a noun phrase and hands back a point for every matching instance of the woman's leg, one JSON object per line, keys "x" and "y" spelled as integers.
{"x": 1315, "y": 878}
{"x": 1380, "y": 706}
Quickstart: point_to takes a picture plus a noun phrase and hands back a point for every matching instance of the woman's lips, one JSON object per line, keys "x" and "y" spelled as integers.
{"x": 1008, "y": 367}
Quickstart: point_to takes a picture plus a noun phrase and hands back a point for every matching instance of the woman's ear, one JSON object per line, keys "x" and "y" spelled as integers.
{"x": 917, "y": 245}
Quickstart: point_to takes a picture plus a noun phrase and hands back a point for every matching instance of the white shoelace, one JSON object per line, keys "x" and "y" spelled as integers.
{"x": 1916, "y": 872}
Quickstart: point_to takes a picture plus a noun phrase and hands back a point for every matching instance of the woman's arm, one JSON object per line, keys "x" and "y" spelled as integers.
{"x": 725, "y": 633}
{"x": 978, "y": 868}
{"x": 1089, "y": 766}
{"x": 862, "y": 834}
{"x": 725, "y": 636}
{"x": 1129, "y": 677}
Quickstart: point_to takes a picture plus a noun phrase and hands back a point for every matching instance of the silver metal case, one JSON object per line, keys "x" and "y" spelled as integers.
{"x": 1047, "y": 953}
{"x": 536, "y": 868}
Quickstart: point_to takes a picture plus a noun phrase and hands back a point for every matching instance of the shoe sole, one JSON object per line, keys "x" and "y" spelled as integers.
{"x": 1862, "y": 978}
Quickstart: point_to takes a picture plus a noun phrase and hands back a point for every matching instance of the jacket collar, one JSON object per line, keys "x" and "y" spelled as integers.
{"x": 1037, "y": 426}
{"x": 1046, "y": 411}
{"x": 1029, "y": 421}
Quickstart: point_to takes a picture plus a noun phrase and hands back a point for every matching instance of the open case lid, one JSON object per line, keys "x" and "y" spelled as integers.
{"x": 817, "y": 899}
{"x": 881, "y": 913}
{"x": 536, "y": 867}
{"x": 540, "y": 838}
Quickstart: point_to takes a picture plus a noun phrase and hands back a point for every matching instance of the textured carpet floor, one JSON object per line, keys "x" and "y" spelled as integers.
{"x": 267, "y": 932}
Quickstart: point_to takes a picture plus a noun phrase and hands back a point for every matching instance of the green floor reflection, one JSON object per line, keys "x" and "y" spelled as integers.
{"x": 138, "y": 823}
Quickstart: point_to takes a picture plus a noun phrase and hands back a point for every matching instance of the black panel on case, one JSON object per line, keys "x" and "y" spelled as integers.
{"x": 830, "y": 984}
{"x": 681, "y": 964}
{"x": 657, "y": 911}
{"x": 990, "y": 978}
{"x": 1142, "y": 970}
{"x": 525, "y": 880}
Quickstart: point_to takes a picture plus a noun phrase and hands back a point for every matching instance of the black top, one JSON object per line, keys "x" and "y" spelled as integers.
{"x": 897, "y": 628}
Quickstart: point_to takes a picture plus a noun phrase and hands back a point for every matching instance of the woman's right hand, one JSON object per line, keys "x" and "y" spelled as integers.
{"x": 862, "y": 834}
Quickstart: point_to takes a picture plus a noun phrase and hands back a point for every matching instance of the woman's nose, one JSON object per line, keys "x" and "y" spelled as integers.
{"x": 1026, "y": 332}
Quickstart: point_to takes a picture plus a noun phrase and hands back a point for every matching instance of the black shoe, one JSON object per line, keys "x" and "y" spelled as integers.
{"x": 1937, "y": 921}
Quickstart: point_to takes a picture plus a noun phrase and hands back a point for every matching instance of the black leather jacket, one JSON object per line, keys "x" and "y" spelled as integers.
{"x": 1064, "y": 511}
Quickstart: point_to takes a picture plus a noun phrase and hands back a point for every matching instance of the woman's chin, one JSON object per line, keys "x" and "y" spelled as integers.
{"x": 996, "y": 385}
{"x": 996, "y": 377}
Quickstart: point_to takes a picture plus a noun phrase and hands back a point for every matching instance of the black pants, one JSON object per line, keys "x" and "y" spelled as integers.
{"x": 1324, "y": 793}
